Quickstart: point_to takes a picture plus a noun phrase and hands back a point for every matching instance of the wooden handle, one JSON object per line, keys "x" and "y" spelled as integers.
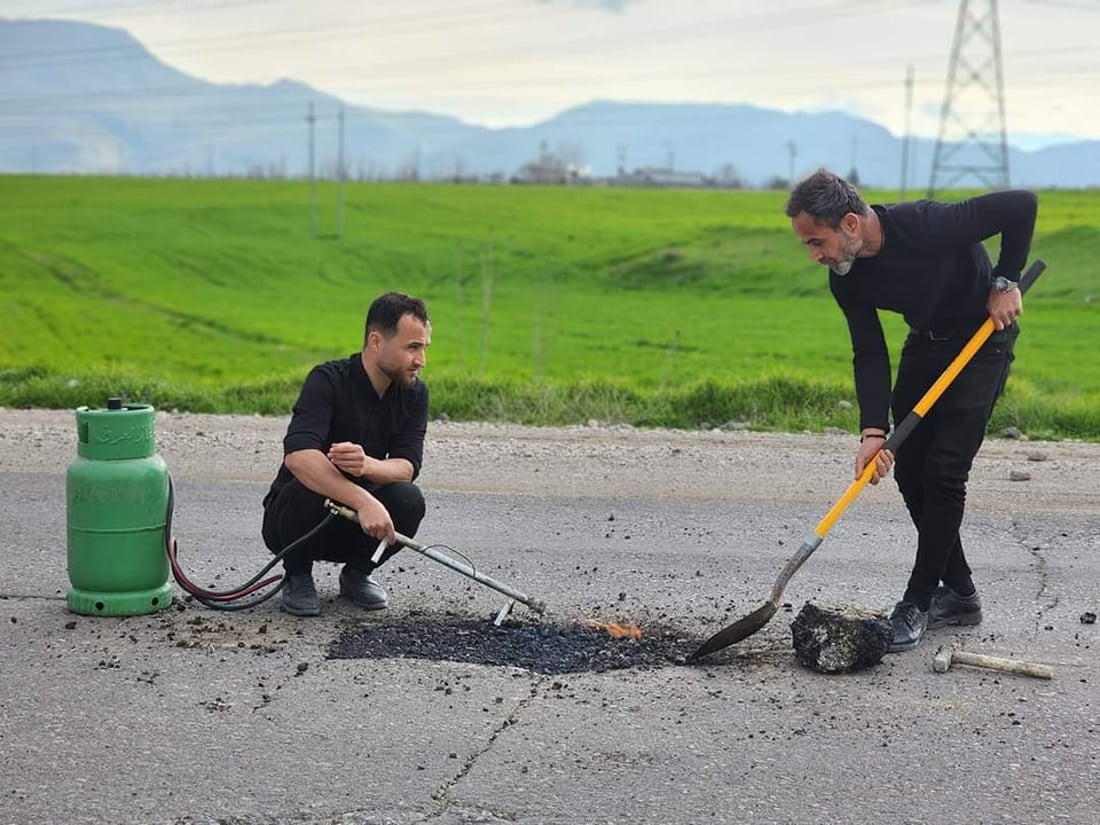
{"x": 964, "y": 657}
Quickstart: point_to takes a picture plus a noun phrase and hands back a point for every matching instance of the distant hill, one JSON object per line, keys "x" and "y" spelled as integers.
{"x": 77, "y": 97}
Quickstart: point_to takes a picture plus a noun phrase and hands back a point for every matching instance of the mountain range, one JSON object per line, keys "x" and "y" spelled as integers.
{"x": 83, "y": 98}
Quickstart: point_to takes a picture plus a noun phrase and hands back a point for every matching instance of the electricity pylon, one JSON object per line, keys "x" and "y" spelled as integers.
{"x": 971, "y": 142}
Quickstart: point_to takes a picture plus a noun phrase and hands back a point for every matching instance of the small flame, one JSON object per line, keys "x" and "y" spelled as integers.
{"x": 615, "y": 631}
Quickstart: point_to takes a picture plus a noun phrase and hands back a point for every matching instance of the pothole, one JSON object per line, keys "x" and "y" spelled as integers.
{"x": 542, "y": 648}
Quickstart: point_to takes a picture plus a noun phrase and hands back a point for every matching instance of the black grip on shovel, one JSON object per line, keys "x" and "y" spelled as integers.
{"x": 1032, "y": 275}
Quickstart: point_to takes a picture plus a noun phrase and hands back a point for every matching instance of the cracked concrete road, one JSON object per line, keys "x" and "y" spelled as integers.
{"x": 191, "y": 716}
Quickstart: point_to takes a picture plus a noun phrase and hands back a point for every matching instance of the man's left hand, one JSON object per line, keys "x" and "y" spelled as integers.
{"x": 349, "y": 458}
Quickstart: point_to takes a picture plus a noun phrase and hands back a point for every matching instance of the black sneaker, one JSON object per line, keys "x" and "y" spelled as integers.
{"x": 909, "y": 623}
{"x": 948, "y": 607}
{"x": 362, "y": 589}
{"x": 300, "y": 595}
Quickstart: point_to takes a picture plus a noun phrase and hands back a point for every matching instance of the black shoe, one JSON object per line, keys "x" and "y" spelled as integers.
{"x": 948, "y": 607}
{"x": 300, "y": 595}
{"x": 909, "y": 623}
{"x": 362, "y": 589}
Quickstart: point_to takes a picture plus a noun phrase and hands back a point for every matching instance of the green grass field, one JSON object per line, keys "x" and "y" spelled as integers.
{"x": 549, "y": 305}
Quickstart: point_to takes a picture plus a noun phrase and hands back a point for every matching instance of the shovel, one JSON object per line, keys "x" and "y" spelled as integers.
{"x": 745, "y": 627}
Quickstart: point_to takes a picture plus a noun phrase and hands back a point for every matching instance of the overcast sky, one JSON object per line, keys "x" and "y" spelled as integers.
{"x": 515, "y": 62}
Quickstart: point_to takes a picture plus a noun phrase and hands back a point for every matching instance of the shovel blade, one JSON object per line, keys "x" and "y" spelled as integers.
{"x": 741, "y": 629}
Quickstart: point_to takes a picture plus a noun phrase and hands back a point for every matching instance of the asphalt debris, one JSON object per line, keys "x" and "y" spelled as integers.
{"x": 840, "y": 638}
{"x": 538, "y": 647}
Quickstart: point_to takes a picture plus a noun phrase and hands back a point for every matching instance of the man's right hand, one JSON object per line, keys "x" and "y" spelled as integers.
{"x": 316, "y": 472}
{"x": 375, "y": 520}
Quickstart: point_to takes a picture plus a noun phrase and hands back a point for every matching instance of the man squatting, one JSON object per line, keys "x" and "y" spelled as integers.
{"x": 356, "y": 435}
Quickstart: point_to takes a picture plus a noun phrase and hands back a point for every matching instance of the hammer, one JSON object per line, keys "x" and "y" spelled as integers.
{"x": 947, "y": 656}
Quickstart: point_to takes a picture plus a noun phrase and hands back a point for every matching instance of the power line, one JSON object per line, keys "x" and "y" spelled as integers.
{"x": 602, "y": 44}
{"x": 153, "y": 99}
{"x": 264, "y": 37}
{"x": 13, "y": 106}
{"x": 748, "y": 23}
{"x": 388, "y": 73}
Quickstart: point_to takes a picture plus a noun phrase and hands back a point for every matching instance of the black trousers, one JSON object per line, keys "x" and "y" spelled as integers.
{"x": 296, "y": 510}
{"x": 933, "y": 464}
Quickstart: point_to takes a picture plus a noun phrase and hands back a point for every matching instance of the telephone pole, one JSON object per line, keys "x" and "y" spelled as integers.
{"x": 340, "y": 178}
{"x": 908, "y": 133}
{"x": 311, "y": 119}
{"x": 972, "y": 142}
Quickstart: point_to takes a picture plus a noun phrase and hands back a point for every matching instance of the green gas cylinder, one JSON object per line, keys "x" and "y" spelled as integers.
{"x": 117, "y": 505}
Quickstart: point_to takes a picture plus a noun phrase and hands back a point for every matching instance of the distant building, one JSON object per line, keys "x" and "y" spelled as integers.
{"x": 662, "y": 176}
{"x": 552, "y": 171}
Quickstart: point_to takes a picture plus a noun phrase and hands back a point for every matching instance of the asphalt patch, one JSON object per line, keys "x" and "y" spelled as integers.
{"x": 542, "y": 648}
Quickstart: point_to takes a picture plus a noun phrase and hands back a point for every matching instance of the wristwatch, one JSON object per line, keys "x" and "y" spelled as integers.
{"x": 1003, "y": 284}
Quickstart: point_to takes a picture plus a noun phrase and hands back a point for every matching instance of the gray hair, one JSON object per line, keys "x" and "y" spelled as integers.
{"x": 825, "y": 197}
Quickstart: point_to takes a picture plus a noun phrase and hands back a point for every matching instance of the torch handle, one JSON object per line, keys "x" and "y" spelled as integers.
{"x": 467, "y": 570}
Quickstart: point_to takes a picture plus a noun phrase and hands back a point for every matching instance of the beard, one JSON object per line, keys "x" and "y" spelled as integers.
{"x": 850, "y": 247}
{"x": 401, "y": 377}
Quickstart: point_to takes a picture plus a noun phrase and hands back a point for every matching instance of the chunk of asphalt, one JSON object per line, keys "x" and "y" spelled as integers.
{"x": 840, "y": 638}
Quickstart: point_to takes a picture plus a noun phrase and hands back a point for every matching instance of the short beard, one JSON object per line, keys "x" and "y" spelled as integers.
{"x": 842, "y": 268}
{"x": 849, "y": 251}
{"x": 400, "y": 377}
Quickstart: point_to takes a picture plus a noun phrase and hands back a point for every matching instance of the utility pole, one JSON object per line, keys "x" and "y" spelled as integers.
{"x": 340, "y": 178}
{"x": 972, "y": 141}
{"x": 311, "y": 119}
{"x": 792, "y": 151}
{"x": 908, "y": 129}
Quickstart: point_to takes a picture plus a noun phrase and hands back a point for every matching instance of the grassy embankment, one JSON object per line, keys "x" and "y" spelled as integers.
{"x": 550, "y": 305}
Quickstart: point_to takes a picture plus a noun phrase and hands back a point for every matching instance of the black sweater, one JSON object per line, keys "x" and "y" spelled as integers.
{"x": 934, "y": 271}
